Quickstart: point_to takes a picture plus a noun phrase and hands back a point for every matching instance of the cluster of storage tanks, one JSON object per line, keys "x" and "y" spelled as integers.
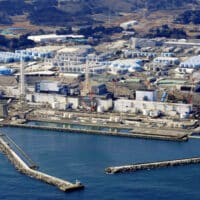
{"x": 193, "y": 62}
{"x": 27, "y": 55}
{"x": 6, "y": 71}
{"x": 133, "y": 54}
{"x": 124, "y": 66}
{"x": 166, "y": 60}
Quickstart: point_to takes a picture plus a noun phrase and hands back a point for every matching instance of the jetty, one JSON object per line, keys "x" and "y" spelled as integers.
{"x": 194, "y": 137}
{"x": 174, "y": 136}
{"x": 151, "y": 165}
{"x": 31, "y": 171}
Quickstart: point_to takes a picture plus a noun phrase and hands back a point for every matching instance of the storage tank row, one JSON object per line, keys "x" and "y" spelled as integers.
{"x": 9, "y": 57}
{"x": 35, "y": 54}
{"x": 133, "y": 54}
{"x": 193, "y": 62}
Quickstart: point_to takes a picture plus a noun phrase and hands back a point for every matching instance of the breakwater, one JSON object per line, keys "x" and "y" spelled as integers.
{"x": 136, "y": 134}
{"x": 22, "y": 167}
{"x": 152, "y": 165}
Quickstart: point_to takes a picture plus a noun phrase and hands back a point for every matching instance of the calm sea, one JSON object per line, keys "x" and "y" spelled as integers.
{"x": 84, "y": 157}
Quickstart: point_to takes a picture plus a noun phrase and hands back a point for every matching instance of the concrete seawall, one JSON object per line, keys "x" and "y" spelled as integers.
{"x": 154, "y": 165}
{"x": 22, "y": 167}
{"x": 181, "y": 138}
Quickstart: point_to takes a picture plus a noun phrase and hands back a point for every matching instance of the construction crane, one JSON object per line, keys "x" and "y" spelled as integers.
{"x": 147, "y": 84}
{"x": 114, "y": 81}
{"x": 92, "y": 103}
{"x": 190, "y": 96}
{"x": 86, "y": 88}
{"x": 90, "y": 62}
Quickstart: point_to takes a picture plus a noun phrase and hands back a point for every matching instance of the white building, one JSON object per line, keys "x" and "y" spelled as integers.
{"x": 55, "y": 101}
{"x": 128, "y": 24}
{"x": 183, "y": 43}
{"x": 145, "y": 107}
{"x": 146, "y": 95}
{"x": 46, "y": 98}
{"x": 143, "y": 42}
{"x": 53, "y": 37}
{"x": 104, "y": 105}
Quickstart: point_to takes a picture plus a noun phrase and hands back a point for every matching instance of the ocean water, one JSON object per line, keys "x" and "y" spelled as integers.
{"x": 84, "y": 157}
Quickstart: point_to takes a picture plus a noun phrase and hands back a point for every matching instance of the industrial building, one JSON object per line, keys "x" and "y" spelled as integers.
{"x": 77, "y": 50}
{"x": 147, "y": 107}
{"x": 54, "y": 38}
{"x": 51, "y": 87}
{"x": 56, "y": 101}
{"x": 146, "y": 95}
{"x": 99, "y": 89}
{"x": 183, "y": 43}
{"x": 54, "y": 87}
{"x": 104, "y": 105}
{"x": 144, "y": 42}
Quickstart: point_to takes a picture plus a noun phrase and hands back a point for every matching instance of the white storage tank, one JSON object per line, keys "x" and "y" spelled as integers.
{"x": 145, "y": 112}
{"x": 55, "y": 105}
{"x": 100, "y": 109}
{"x": 184, "y": 115}
{"x": 154, "y": 113}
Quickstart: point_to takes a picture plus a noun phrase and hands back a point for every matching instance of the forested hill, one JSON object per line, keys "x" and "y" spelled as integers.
{"x": 50, "y": 12}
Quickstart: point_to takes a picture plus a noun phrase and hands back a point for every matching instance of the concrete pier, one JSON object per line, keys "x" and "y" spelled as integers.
{"x": 22, "y": 167}
{"x": 173, "y": 137}
{"x": 153, "y": 165}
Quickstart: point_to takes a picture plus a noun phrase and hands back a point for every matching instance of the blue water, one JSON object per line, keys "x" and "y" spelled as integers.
{"x": 84, "y": 157}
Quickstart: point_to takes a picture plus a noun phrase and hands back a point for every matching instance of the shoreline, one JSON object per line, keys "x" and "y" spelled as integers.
{"x": 133, "y": 134}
